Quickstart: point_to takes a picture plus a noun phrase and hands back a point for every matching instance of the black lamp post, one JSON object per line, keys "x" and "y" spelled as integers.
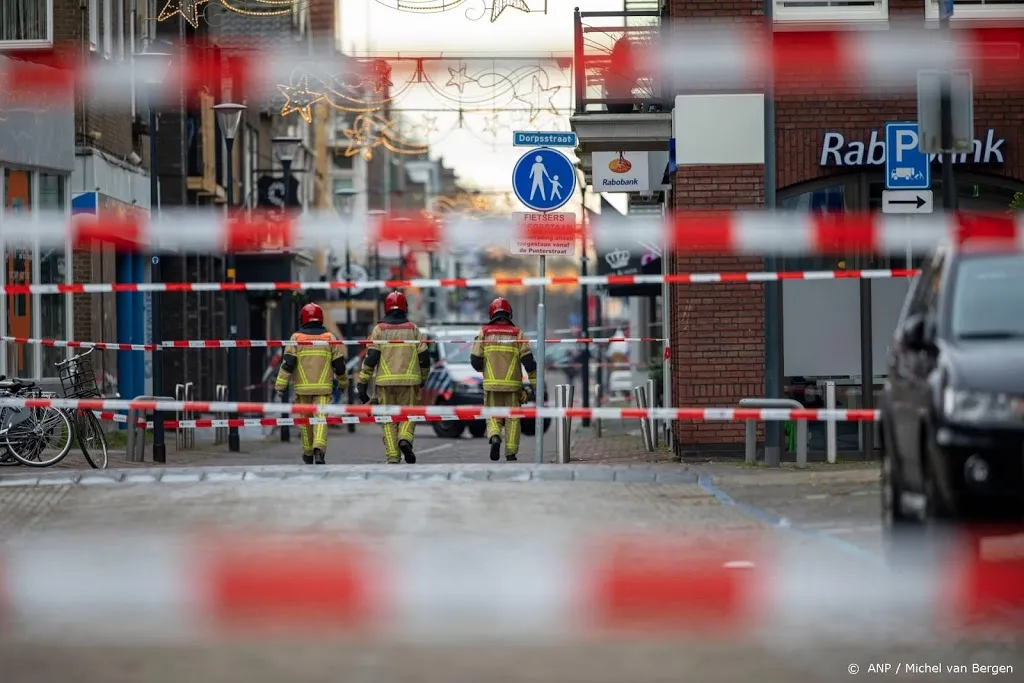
{"x": 345, "y": 202}
{"x": 229, "y": 117}
{"x": 285, "y": 149}
{"x": 154, "y": 67}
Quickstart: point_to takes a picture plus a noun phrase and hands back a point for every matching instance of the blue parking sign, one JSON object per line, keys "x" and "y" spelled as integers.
{"x": 906, "y": 168}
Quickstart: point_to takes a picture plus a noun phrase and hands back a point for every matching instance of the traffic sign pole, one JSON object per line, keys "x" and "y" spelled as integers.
{"x": 542, "y": 329}
{"x": 946, "y": 115}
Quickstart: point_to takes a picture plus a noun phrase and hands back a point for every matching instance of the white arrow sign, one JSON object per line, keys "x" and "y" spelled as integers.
{"x": 907, "y": 201}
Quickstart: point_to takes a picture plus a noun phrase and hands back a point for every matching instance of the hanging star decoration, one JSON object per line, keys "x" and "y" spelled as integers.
{"x": 538, "y": 91}
{"x": 491, "y": 124}
{"x": 188, "y": 9}
{"x": 299, "y": 98}
{"x": 459, "y": 79}
{"x": 380, "y": 72}
{"x": 429, "y": 125}
{"x": 373, "y": 130}
{"x": 500, "y": 6}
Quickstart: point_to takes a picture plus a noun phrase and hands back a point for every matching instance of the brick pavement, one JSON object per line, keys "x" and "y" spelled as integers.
{"x": 619, "y": 444}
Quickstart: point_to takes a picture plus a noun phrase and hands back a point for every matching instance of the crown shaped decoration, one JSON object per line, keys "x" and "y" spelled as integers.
{"x": 617, "y": 259}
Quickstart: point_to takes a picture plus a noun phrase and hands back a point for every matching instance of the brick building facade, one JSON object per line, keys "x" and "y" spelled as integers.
{"x": 719, "y": 331}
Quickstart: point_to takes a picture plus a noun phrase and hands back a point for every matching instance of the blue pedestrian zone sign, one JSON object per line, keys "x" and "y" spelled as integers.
{"x": 906, "y": 168}
{"x": 544, "y": 179}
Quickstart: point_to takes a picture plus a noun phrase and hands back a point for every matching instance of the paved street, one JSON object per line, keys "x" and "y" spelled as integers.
{"x": 834, "y": 509}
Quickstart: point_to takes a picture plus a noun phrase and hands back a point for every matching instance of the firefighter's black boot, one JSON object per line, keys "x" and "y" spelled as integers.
{"x": 511, "y": 457}
{"x": 495, "y": 448}
{"x": 318, "y": 457}
{"x": 406, "y": 449}
{"x": 307, "y": 459}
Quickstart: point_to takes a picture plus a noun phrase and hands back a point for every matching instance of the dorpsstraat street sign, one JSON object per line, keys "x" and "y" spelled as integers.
{"x": 545, "y": 246}
{"x": 907, "y": 201}
{"x": 541, "y": 138}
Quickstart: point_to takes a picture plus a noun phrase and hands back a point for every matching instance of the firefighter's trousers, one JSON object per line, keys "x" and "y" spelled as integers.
{"x": 400, "y": 431}
{"x": 313, "y": 436}
{"x": 504, "y": 399}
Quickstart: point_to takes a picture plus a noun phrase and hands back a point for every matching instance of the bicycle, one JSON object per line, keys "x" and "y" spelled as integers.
{"x": 27, "y": 432}
{"x": 78, "y": 380}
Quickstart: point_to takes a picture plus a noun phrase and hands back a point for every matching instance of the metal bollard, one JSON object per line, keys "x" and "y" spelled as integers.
{"x": 831, "y": 447}
{"x": 190, "y": 395}
{"x": 135, "y": 450}
{"x": 597, "y": 422}
{"x": 639, "y": 396}
{"x": 179, "y": 395}
{"x": 750, "y": 441}
{"x": 570, "y": 397}
{"x": 220, "y": 434}
{"x": 561, "y": 426}
{"x": 652, "y": 399}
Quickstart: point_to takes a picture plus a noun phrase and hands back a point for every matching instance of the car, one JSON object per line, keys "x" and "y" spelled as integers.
{"x": 952, "y": 411}
{"x": 466, "y": 386}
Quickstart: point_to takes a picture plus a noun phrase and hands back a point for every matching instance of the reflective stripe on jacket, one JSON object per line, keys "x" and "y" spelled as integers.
{"x": 502, "y": 348}
{"x": 313, "y": 367}
{"x": 399, "y": 364}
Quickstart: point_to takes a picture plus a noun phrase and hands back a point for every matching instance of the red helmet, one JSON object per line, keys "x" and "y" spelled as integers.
{"x": 500, "y": 305}
{"x": 311, "y": 313}
{"x": 396, "y": 301}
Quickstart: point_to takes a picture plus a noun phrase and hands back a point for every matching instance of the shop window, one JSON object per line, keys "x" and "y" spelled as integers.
{"x": 978, "y": 9}
{"x": 18, "y": 271}
{"x": 52, "y": 270}
{"x": 831, "y": 10}
{"x": 26, "y": 24}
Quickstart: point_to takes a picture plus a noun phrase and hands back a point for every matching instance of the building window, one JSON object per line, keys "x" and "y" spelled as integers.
{"x": 26, "y": 23}
{"x": 52, "y": 270}
{"x": 18, "y": 271}
{"x": 94, "y": 24}
{"x": 831, "y": 10}
{"x": 108, "y": 27}
{"x": 978, "y": 9}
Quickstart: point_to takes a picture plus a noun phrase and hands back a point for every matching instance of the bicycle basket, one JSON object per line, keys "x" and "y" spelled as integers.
{"x": 78, "y": 380}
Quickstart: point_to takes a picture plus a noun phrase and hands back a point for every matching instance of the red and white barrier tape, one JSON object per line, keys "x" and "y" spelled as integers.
{"x": 194, "y": 587}
{"x": 278, "y": 343}
{"x": 64, "y": 343}
{"x": 452, "y": 412}
{"x": 728, "y": 55}
{"x": 452, "y": 283}
{"x": 754, "y": 232}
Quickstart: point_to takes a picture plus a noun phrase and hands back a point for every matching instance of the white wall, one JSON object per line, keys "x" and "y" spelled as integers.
{"x": 95, "y": 172}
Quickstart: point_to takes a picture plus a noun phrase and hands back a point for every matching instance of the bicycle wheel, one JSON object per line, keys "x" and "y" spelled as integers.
{"x": 6, "y": 459}
{"x": 91, "y": 439}
{"x": 39, "y": 437}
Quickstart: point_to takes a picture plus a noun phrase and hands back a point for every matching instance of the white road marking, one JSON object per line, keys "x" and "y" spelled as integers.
{"x": 434, "y": 449}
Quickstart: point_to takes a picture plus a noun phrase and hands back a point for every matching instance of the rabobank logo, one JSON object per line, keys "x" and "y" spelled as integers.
{"x": 619, "y": 182}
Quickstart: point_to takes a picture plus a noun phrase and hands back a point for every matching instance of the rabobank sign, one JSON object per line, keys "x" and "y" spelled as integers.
{"x": 836, "y": 150}
{"x": 618, "y": 183}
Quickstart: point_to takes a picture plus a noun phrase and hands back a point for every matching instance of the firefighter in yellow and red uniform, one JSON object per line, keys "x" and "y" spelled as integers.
{"x": 313, "y": 370}
{"x": 498, "y": 352}
{"x": 398, "y": 372}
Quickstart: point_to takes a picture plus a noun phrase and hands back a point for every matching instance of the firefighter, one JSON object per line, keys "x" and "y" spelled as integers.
{"x": 313, "y": 367}
{"x": 498, "y": 351}
{"x": 398, "y": 371}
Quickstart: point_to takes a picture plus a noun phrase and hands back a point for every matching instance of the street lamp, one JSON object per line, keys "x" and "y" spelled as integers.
{"x": 154, "y": 67}
{"x": 345, "y": 202}
{"x": 229, "y": 117}
{"x": 285, "y": 149}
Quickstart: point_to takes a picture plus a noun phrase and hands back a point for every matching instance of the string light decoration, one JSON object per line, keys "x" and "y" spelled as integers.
{"x": 496, "y": 8}
{"x": 193, "y": 11}
{"x": 471, "y": 205}
{"x": 299, "y": 98}
{"x": 187, "y": 9}
{"x": 369, "y": 131}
